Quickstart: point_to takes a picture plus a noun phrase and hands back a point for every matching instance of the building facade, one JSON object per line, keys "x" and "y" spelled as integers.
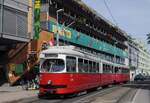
{"x": 144, "y": 59}
{"x": 133, "y": 56}
{"x": 139, "y": 57}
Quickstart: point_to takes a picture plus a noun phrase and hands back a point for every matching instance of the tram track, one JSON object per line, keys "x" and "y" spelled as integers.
{"x": 127, "y": 93}
{"x": 114, "y": 94}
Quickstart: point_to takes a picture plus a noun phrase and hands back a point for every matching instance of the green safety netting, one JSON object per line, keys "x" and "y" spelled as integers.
{"x": 84, "y": 40}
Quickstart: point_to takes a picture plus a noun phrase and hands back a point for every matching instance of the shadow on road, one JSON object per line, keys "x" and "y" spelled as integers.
{"x": 53, "y": 97}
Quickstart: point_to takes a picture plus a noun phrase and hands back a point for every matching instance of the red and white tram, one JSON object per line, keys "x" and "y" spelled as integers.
{"x": 65, "y": 70}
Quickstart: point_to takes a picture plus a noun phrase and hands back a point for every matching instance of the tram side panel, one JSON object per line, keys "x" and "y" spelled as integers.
{"x": 88, "y": 72}
{"x": 60, "y": 83}
{"x": 126, "y": 75}
{"x": 106, "y": 75}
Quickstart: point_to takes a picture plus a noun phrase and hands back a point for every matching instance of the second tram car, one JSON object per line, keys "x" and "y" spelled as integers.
{"x": 65, "y": 70}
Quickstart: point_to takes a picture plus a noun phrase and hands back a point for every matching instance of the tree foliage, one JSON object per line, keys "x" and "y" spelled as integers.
{"x": 148, "y": 38}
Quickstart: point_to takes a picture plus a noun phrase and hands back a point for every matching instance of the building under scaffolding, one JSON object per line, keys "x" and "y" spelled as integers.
{"x": 88, "y": 30}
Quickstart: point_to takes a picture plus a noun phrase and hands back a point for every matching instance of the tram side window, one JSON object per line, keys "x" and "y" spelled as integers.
{"x": 127, "y": 71}
{"x": 80, "y": 65}
{"x": 85, "y": 66}
{"x": 112, "y": 69}
{"x": 94, "y": 67}
{"x": 71, "y": 64}
{"x": 116, "y": 70}
{"x": 104, "y": 68}
{"x": 97, "y": 67}
{"x": 120, "y": 70}
{"x": 124, "y": 70}
{"x": 90, "y": 66}
{"x": 107, "y": 68}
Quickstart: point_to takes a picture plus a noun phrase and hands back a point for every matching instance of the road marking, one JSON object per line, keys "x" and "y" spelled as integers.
{"x": 134, "y": 98}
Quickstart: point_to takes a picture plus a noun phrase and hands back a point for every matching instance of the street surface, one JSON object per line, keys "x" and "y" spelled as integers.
{"x": 126, "y": 93}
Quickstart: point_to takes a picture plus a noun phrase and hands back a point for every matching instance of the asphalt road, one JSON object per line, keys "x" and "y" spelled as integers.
{"x": 128, "y": 93}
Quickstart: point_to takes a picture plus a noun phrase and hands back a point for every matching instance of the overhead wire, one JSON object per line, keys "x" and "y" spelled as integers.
{"x": 113, "y": 18}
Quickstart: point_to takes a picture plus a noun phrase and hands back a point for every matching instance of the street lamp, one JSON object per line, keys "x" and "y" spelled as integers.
{"x": 1, "y": 15}
{"x": 57, "y": 12}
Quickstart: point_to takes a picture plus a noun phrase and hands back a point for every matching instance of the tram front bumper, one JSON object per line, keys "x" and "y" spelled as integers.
{"x": 46, "y": 92}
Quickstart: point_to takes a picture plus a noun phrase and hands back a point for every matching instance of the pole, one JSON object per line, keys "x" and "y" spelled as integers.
{"x": 1, "y": 16}
{"x": 57, "y": 24}
{"x": 57, "y": 30}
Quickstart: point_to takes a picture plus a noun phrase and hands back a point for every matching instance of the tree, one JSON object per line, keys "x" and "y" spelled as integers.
{"x": 148, "y": 38}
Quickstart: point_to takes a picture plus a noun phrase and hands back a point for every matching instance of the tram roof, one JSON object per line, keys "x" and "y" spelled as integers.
{"x": 62, "y": 50}
{"x": 70, "y": 50}
{"x": 74, "y": 51}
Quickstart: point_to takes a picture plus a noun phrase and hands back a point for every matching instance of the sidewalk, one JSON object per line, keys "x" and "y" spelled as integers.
{"x": 12, "y": 94}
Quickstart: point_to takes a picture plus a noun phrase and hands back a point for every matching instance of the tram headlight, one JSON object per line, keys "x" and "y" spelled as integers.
{"x": 49, "y": 82}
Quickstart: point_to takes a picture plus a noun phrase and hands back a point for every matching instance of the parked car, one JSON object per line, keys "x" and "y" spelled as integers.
{"x": 147, "y": 77}
{"x": 139, "y": 77}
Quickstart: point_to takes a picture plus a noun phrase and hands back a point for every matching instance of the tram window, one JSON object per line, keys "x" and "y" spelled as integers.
{"x": 107, "y": 68}
{"x": 94, "y": 67}
{"x": 90, "y": 66}
{"x": 112, "y": 69}
{"x": 124, "y": 70}
{"x": 85, "y": 66}
{"x": 80, "y": 65}
{"x": 120, "y": 70}
{"x": 71, "y": 64}
{"x": 104, "y": 68}
{"x": 97, "y": 67}
{"x": 52, "y": 65}
{"x": 116, "y": 70}
{"x": 127, "y": 70}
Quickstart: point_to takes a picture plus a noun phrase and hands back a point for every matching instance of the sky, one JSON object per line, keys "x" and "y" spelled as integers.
{"x": 132, "y": 16}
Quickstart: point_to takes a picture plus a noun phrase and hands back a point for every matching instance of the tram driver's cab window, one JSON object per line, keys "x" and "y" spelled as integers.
{"x": 71, "y": 64}
{"x": 52, "y": 65}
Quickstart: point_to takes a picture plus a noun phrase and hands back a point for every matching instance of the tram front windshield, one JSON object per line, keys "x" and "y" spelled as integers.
{"x": 52, "y": 65}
